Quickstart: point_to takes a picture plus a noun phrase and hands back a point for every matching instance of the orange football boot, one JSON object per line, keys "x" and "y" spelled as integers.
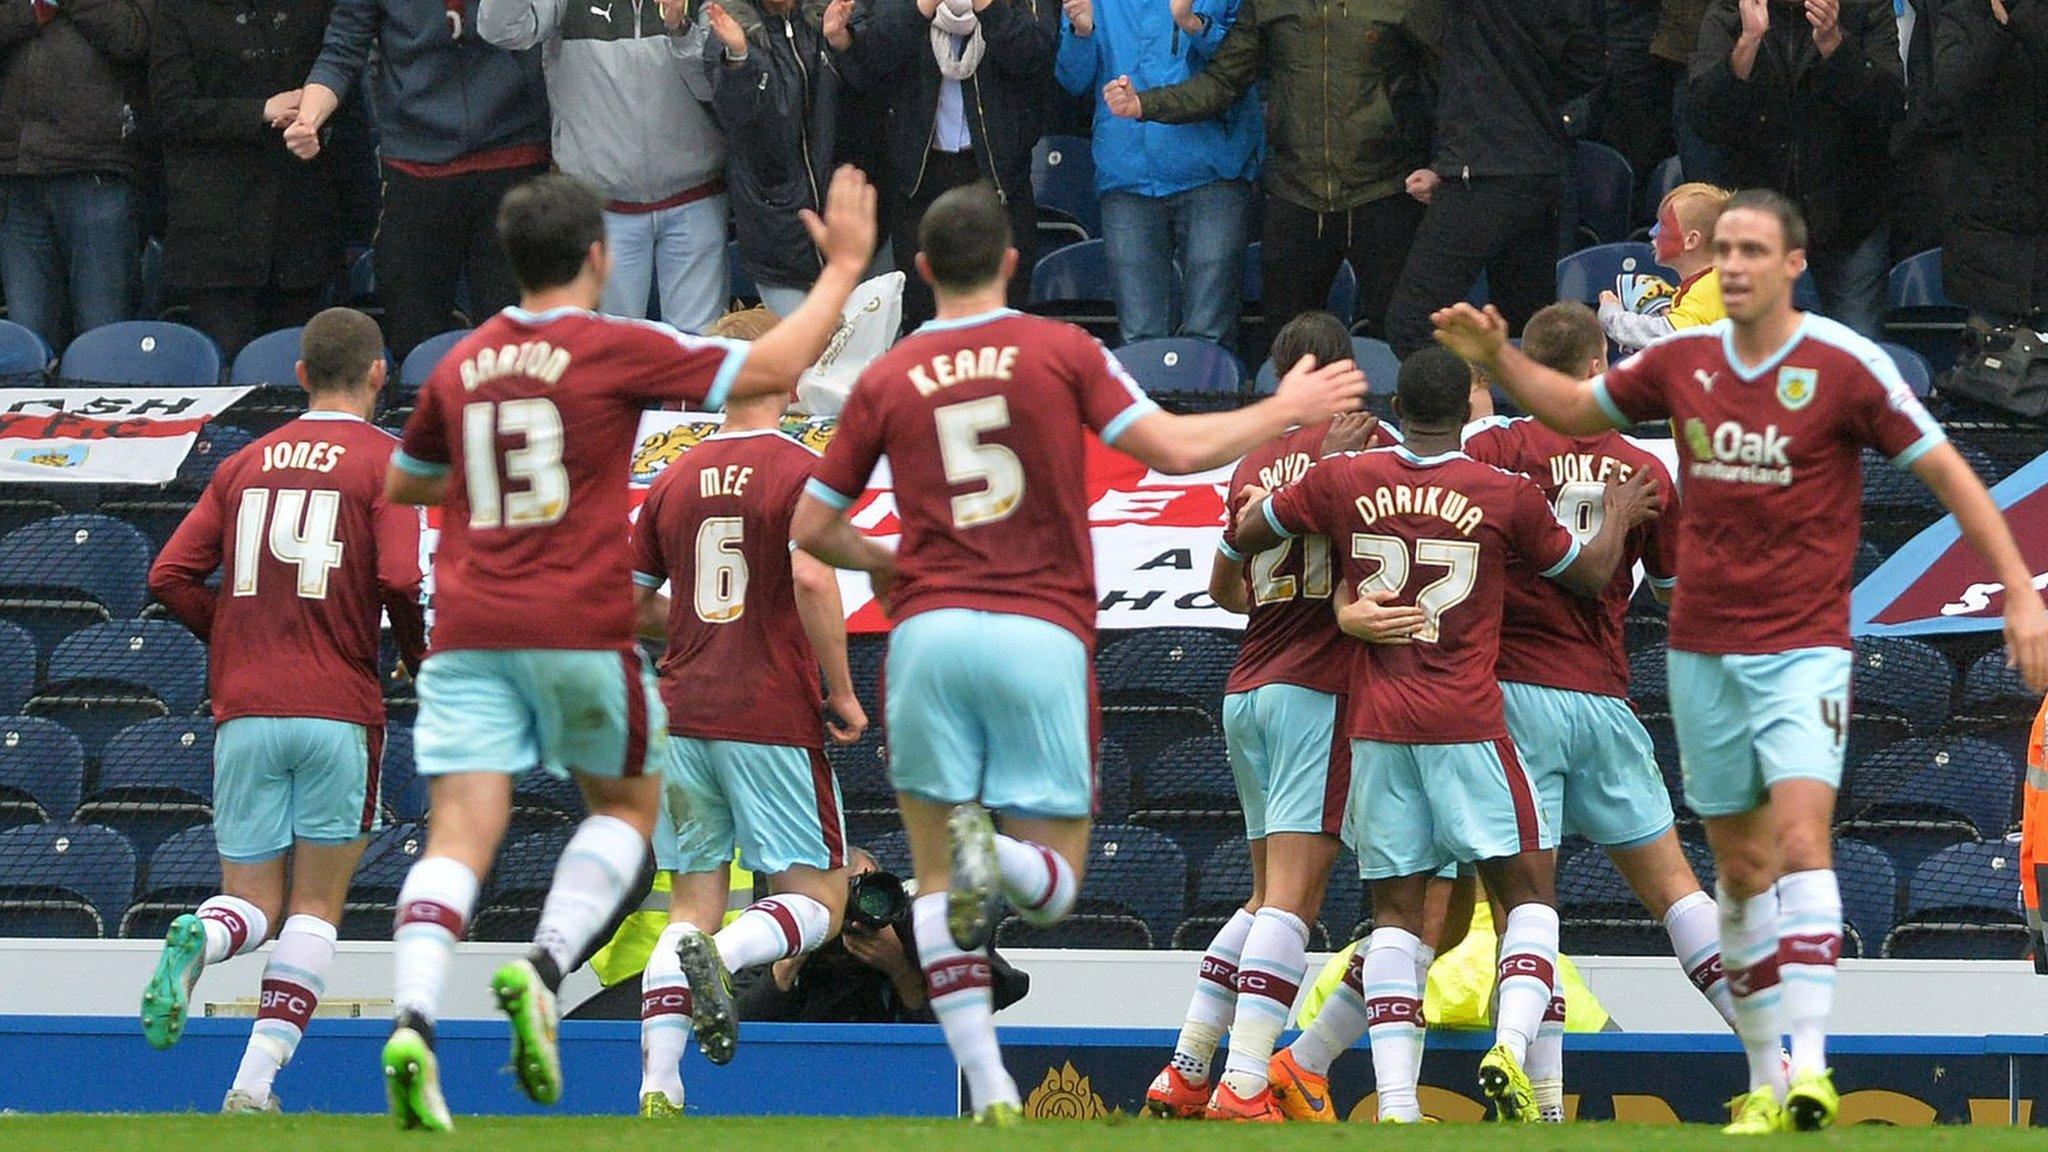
{"x": 1172, "y": 1097}
{"x": 1300, "y": 1093}
{"x": 1259, "y": 1109}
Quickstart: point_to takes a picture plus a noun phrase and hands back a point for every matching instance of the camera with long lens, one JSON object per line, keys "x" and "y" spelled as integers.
{"x": 875, "y": 900}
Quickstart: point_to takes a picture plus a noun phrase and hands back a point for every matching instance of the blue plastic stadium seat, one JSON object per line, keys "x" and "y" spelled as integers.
{"x": 863, "y": 772}
{"x": 1600, "y": 914}
{"x": 519, "y": 882}
{"x": 1191, "y": 663}
{"x": 1584, "y": 274}
{"x": 543, "y": 801}
{"x": 1063, "y": 179}
{"x": 108, "y": 676}
{"x": 1342, "y": 301}
{"x": 1648, "y": 678}
{"x": 1135, "y": 896}
{"x": 1919, "y": 313}
{"x": 1912, "y": 366}
{"x": 891, "y": 851}
{"x": 1605, "y": 190}
{"x": 420, "y": 362}
{"x": 373, "y": 892}
{"x": 155, "y": 780}
{"x": 60, "y": 574}
{"x": 1225, "y": 881}
{"x": 183, "y": 871}
{"x": 270, "y": 360}
{"x": 64, "y": 879}
{"x": 403, "y": 789}
{"x": 1078, "y": 273}
{"x": 18, "y": 662}
{"x": 1898, "y": 688}
{"x": 1189, "y": 780}
{"x": 142, "y": 352}
{"x": 1181, "y": 364}
{"x": 1917, "y": 797}
{"x": 22, "y": 352}
{"x": 1870, "y": 896}
{"x": 1113, "y": 782}
{"x": 42, "y": 771}
{"x": 1963, "y": 904}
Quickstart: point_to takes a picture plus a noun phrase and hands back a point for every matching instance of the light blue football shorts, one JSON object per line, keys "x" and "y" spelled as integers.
{"x": 1745, "y": 722}
{"x": 565, "y": 710}
{"x": 1293, "y": 775}
{"x": 777, "y": 804}
{"x": 1417, "y": 808}
{"x": 1592, "y": 763}
{"x": 991, "y": 706}
{"x": 281, "y": 779}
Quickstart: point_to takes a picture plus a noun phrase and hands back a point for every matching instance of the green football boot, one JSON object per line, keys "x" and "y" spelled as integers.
{"x": 169, "y": 991}
{"x": 1502, "y": 1079}
{"x": 529, "y": 1004}
{"x": 412, "y": 1082}
{"x": 1812, "y": 1102}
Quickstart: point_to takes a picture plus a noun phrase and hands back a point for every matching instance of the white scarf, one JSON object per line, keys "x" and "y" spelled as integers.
{"x": 956, "y": 18}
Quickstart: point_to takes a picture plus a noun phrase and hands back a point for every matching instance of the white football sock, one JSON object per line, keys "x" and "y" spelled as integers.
{"x": 1037, "y": 881}
{"x": 1424, "y": 957}
{"x": 1809, "y": 944}
{"x": 959, "y": 984}
{"x": 773, "y": 929}
{"x": 599, "y": 863}
{"x": 1749, "y": 953}
{"x": 293, "y": 982}
{"x": 1695, "y": 929}
{"x": 1339, "y": 1025}
{"x": 664, "y": 1017}
{"x": 1393, "y": 1012}
{"x": 1215, "y": 1000}
{"x": 1268, "y": 982}
{"x": 434, "y": 905}
{"x": 1546, "y": 1058}
{"x": 1528, "y": 969}
{"x": 233, "y": 926}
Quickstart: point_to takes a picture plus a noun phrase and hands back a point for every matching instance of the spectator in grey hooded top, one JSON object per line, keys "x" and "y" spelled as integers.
{"x": 459, "y": 122}
{"x": 628, "y": 88}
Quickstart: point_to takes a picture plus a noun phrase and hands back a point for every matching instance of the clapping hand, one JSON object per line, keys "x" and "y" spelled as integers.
{"x": 838, "y": 15}
{"x": 1826, "y": 18}
{"x": 1756, "y": 18}
{"x": 1122, "y": 99}
{"x": 1081, "y": 16}
{"x": 727, "y": 30}
{"x": 280, "y": 110}
{"x": 302, "y": 138}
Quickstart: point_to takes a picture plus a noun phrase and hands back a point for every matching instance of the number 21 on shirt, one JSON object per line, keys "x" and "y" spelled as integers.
{"x": 541, "y": 495}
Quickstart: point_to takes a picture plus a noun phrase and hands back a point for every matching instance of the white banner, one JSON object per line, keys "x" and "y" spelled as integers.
{"x": 103, "y": 435}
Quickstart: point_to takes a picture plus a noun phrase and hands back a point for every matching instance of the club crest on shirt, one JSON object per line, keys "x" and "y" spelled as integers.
{"x": 1795, "y": 387}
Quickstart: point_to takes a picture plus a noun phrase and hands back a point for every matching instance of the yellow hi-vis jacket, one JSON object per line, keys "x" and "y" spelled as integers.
{"x": 625, "y": 955}
{"x": 2034, "y": 836}
{"x": 1460, "y": 993}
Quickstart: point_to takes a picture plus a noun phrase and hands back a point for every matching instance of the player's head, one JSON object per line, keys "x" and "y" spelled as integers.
{"x": 1316, "y": 334}
{"x": 1435, "y": 392}
{"x": 765, "y": 410}
{"x": 1685, "y": 222}
{"x": 1760, "y": 249}
{"x": 552, "y": 227}
{"x": 341, "y": 360}
{"x": 1566, "y": 336}
{"x": 964, "y": 242}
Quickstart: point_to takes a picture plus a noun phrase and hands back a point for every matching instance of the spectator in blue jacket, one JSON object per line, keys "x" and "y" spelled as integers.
{"x": 1169, "y": 191}
{"x": 459, "y": 122}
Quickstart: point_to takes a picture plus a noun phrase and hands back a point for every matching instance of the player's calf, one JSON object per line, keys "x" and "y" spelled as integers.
{"x": 293, "y": 982}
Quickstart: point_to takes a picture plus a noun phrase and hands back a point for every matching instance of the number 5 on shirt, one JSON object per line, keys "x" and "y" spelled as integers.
{"x": 967, "y": 459}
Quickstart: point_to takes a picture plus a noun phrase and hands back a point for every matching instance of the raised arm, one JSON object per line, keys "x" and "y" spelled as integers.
{"x": 1178, "y": 445}
{"x": 1481, "y": 338}
{"x": 516, "y": 25}
{"x": 1944, "y": 470}
{"x": 824, "y": 620}
{"x": 846, "y": 237}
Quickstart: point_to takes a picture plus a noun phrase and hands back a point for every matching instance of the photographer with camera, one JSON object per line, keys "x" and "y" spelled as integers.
{"x": 869, "y": 973}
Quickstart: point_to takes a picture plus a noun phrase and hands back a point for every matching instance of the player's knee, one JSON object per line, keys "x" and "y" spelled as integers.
{"x": 1745, "y": 870}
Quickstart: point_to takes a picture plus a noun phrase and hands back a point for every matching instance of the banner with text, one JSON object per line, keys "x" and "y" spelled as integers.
{"x": 1936, "y": 583}
{"x": 103, "y": 435}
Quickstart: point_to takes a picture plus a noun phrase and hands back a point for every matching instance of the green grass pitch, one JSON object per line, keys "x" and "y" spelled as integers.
{"x": 624, "y": 1134}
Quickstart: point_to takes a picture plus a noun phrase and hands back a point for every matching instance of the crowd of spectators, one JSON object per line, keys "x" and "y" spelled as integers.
{"x": 1429, "y": 143}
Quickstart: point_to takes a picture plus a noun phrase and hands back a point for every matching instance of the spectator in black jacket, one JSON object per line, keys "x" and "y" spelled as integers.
{"x": 1803, "y": 99}
{"x": 775, "y": 93}
{"x": 1503, "y": 148}
{"x": 975, "y": 118}
{"x": 1991, "y": 75}
{"x": 252, "y": 236}
{"x": 71, "y": 81}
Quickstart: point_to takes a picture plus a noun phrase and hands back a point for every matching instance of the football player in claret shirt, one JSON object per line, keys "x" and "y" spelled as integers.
{"x": 1772, "y": 407}
{"x": 1435, "y": 778}
{"x": 523, "y": 435}
{"x": 1564, "y": 674}
{"x": 982, "y": 414}
{"x": 314, "y": 556}
{"x": 746, "y": 752}
{"x": 1283, "y": 698}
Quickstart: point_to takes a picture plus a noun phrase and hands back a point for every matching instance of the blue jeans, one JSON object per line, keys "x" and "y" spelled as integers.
{"x": 678, "y": 251}
{"x": 1852, "y": 282}
{"x": 1205, "y": 229}
{"x": 70, "y": 252}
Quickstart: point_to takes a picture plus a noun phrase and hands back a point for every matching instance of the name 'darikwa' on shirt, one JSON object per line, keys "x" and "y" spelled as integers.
{"x": 1452, "y": 506}
{"x": 1734, "y": 454}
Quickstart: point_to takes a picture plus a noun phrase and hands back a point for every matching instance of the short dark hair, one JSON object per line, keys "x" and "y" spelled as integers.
{"x": 1773, "y": 203}
{"x": 338, "y": 347}
{"x": 547, "y": 225}
{"x": 1435, "y": 387}
{"x": 963, "y": 237}
{"x": 1316, "y": 334}
{"x": 1564, "y": 336}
